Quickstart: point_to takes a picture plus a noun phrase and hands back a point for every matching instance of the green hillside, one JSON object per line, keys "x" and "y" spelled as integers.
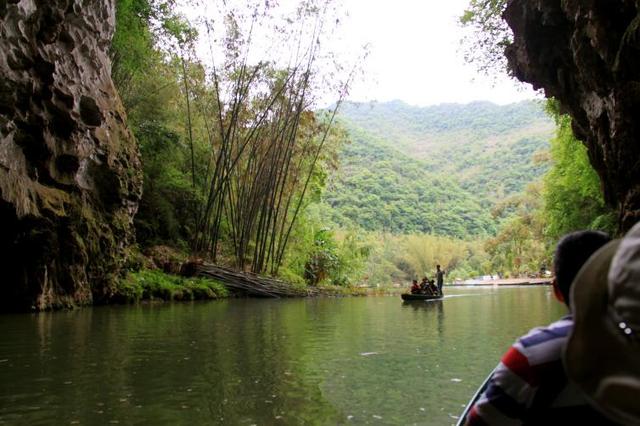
{"x": 403, "y": 122}
{"x": 380, "y": 188}
{"x": 438, "y": 169}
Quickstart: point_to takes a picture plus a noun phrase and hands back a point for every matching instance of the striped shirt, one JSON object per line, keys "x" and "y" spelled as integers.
{"x": 529, "y": 386}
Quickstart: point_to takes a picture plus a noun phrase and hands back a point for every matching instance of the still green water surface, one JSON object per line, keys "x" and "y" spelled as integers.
{"x": 370, "y": 360}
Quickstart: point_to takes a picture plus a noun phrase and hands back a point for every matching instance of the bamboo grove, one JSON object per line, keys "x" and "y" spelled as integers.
{"x": 264, "y": 155}
{"x": 253, "y": 149}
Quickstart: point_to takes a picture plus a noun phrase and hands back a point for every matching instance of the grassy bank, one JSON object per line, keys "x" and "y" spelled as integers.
{"x": 340, "y": 291}
{"x": 155, "y": 285}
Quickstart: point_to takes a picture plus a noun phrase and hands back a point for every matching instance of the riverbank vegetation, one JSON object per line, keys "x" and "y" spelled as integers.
{"x": 233, "y": 146}
{"x": 154, "y": 285}
{"x": 244, "y": 167}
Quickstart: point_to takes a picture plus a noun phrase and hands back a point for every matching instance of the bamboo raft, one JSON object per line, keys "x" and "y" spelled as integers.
{"x": 250, "y": 284}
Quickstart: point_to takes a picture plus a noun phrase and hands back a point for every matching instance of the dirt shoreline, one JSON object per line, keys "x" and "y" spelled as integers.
{"x": 503, "y": 282}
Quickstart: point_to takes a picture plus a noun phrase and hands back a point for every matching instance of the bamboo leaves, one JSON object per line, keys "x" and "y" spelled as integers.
{"x": 265, "y": 143}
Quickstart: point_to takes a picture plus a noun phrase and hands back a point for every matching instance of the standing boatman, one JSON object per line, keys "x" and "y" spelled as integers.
{"x": 439, "y": 278}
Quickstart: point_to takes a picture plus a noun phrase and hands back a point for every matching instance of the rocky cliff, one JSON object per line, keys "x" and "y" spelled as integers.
{"x": 70, "y": 176}
{"x": 586, "y": 54}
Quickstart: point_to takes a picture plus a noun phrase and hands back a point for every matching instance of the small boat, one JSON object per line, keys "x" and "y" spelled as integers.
{"x": 410, "y": 297}
{"x": 465, "y": 414}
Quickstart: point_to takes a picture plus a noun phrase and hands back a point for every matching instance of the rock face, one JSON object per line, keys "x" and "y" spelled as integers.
{"x": 586, "y": 54}
{"x": 70, "y": 176}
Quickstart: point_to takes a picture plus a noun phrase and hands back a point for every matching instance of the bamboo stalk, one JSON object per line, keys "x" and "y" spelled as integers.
{"x": 252, "y": 284}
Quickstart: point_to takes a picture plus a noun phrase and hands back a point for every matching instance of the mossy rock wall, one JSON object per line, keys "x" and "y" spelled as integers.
{"x": 70, "y": 173}
{"x": 586, "y": 54}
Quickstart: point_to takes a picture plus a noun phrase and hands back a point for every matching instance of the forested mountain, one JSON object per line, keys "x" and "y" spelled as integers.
{"x": 381, "y": 188}
{"x": 437, "y": 169}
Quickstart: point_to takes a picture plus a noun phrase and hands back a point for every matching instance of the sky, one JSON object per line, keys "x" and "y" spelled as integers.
{"x": 416, "y": 55}
{"x": 414, "y": 52}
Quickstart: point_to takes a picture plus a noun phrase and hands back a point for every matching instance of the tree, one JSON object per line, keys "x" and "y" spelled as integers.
{"x": 231, "y": 146}
{"x": 488, "y": 36}
{"x": 519, "y": 247}
{"x": 150, "y": 90}
{"x": 423, "y": 252}
{"x": 572, "y": 191}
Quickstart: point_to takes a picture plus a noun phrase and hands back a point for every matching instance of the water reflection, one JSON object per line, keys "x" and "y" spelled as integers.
{"x": 430, "y": 311}
{"x": 317, "y": 361}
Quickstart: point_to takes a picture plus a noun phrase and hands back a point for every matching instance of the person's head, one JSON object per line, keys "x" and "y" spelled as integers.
{"x": 572, "y": 251}
{"x": 415, "y": 281}
{"x": 438, "y": 267}
{"x": 602, "y": 355}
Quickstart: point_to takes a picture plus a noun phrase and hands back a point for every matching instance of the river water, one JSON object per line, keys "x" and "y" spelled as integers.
{"x": 370, "y": 360}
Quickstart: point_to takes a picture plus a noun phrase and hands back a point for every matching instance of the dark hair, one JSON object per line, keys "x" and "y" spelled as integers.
{"x": 572, "y": 251}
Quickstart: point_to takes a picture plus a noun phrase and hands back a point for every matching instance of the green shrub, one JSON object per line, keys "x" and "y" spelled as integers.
{"x": 152, "y": 284}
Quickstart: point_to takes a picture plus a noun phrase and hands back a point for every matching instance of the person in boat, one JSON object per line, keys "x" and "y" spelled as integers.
{"x": 415, "y": 288}
{"x": 439, "y": 278}
{"x": 424, "y": 286}
{"x": 433, "y": 288}
{"x": 530, "y": 385}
